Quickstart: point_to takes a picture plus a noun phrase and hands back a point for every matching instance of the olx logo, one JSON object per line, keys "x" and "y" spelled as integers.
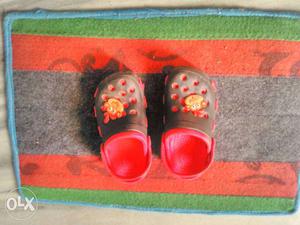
{"x": 21, "y": 208}
{"x": 12, "y": 203}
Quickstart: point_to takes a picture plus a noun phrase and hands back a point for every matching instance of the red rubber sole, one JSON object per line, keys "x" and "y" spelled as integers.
{"x": 127, "y": 155}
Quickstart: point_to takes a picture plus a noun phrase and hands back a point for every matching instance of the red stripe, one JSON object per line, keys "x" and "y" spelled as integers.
{"x": 223, "y": 178}
{"x": 216, "y": 57}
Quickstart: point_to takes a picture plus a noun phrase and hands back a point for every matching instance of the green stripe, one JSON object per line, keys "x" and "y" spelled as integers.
{"x": 200, "y": 27}
{"x": 164, "y": 200}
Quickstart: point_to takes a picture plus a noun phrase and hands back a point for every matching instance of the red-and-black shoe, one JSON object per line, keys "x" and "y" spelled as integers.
{"x": 190, "y": 109}
{"x": 122, "y": 123}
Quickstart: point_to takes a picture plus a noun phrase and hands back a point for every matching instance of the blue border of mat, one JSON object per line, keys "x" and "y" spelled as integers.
{"x": 116, "y": 14}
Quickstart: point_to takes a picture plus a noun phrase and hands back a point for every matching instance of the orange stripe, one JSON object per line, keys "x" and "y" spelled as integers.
{"x": 266, "y": 179}
{"x": 215, "y": 57}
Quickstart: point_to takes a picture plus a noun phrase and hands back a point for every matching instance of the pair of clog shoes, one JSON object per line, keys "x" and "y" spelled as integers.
{"x": 187, "y": 145}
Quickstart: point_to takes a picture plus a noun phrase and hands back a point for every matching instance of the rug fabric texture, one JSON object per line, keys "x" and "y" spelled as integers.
{"x": 58, "y": 62}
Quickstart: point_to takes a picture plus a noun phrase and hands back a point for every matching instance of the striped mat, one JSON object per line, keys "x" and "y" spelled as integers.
{"x": 54, "y": 61}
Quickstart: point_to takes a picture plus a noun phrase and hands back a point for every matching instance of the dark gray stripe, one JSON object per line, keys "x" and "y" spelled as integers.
{"x": 259, "y": 118}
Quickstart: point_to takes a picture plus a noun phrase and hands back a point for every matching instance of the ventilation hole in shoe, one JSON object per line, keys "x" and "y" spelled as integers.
{"x": 111, "y": 87}
{"x": 213, "y": 127}
{"x": 184, "y": 89}
{"x": 183, "y": 77}
{"x": 131, "y": 90}
{"x": 182, "y": 102}
{"x": 174, "y": 109}
{"x": 132, "y": 112}
{"x": 125, "y": 105}
{"x": 175, "y": 85}
{"x": 166, "y": 80}
{"x": 216, "y": 104}
{"x": 196, "y": 83}
{"x": 123, "y": 93}
{"x": 205, "y": 104}
{"x": 103, "y": 109}
{"x": 95, "y": 112}
{"x": 214, "y": 85}
{"x": 99, "y": 131}
{"x": 123, "y": 82}
{"x": 132, "y": 100}
{"x": 145, "y": 102}
{"x": 174, "y": 96}
{"x": 96, "y": 93}
{"x": 104, "y": 97}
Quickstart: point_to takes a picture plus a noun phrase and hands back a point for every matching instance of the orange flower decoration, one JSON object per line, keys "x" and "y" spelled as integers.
{"x": 113, "y": 109}
{"x": 195, "y": 104}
